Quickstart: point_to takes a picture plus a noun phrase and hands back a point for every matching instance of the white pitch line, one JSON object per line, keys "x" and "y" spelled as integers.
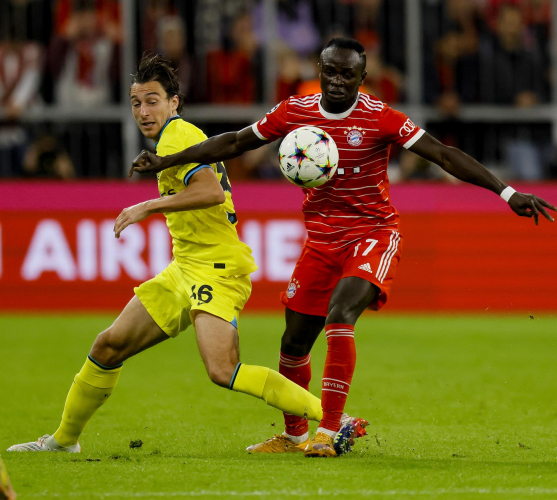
{"x": 305, "y": 493}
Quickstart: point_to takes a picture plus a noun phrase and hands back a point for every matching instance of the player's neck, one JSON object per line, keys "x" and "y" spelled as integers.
{"x": 158, "y": 138}
{"x": 337, "y": 107}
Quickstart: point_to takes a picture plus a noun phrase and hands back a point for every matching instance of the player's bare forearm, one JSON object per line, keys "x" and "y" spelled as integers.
{"x": 464, "y": 167}
{"x": 187, "y": 199}
{"x": 457, "y": 163}
{"x": 219, "y": 148}
{"x": 203, "y": 191}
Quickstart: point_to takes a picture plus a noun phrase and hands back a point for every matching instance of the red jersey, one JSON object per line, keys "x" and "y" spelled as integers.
{"x": 356, "y": 200}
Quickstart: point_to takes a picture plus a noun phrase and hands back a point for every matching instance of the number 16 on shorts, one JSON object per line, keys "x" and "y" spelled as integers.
{"x": 203, "y": 294}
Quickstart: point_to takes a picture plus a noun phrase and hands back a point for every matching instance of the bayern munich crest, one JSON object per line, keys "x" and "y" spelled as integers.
{"x": 354, "y": 136}
{"x": 292, "y": 288}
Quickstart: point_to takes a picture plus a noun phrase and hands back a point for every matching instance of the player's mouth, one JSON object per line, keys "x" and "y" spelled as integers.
{"x": 148, "y": 125}
{"x": 336, "y": 94}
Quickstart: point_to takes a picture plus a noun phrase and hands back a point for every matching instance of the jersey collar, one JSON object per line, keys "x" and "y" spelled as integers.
{"x": 339, "y": 116}
{"x": 175, "y": 117}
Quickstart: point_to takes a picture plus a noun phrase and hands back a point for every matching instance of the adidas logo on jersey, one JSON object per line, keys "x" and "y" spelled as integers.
{"x": 366, "y": 267}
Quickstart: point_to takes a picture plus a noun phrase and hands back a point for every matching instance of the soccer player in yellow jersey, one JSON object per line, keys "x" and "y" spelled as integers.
{"x": 207, "y": 283}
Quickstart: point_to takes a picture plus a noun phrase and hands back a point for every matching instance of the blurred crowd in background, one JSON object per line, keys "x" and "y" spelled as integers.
{"x": 68, "y": 53}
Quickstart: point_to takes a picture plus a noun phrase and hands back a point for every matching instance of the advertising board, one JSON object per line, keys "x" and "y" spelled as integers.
{"x": 463, "y": 249}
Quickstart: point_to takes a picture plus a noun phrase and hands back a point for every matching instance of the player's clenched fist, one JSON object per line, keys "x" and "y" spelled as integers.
{"x": 530, "y": 205}
{"x": 146, "y": 162}
{"x": 130, "y": 215}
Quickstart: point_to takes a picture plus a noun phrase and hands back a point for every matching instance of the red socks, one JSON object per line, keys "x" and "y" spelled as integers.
{"x": 299, "y": 371}
{"x": 337, "y": 376}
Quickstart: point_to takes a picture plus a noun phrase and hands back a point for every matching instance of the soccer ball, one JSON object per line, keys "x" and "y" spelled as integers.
{"x": 308, "y": 157}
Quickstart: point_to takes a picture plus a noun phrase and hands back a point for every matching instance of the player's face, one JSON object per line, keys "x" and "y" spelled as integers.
{"x": 151, "y": 107}
{"x": 341, "y": 73}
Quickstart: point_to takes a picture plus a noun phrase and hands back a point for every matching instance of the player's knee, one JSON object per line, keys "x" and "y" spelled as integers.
{"x": 109, "y": 348}
{"x": 220, "y": 376}
{"x": 295, "y": 344}
{"x": 346, "y": 314}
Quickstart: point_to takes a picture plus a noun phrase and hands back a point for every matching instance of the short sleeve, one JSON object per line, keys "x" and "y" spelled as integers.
{"x": 273, "y": 126}
{"x": 396, "y": 127}
{"x": 175, "y": 142}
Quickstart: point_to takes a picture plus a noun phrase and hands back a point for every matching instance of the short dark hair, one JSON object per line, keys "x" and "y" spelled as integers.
{"x": 348, "y": 43}
{"x": 155, "y": 68}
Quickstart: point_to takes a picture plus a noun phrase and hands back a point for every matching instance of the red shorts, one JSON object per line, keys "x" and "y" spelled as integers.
{"x": 374, "y": 258}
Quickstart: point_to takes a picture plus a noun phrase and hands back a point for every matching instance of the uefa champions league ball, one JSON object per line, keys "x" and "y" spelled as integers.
{"x": 308, "y": 157}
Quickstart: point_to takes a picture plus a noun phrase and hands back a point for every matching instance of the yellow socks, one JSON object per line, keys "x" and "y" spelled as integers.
{"x": 93, "y": 385}
{"x": 276, "y": 390}
{"x": 91, "y": 388}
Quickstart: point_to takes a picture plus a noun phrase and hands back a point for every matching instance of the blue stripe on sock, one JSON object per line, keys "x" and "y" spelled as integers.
{"x": 234, "y": 376}
{"x": 105, "y": 367}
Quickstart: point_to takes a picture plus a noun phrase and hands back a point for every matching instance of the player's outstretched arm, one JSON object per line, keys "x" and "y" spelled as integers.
{"x": 219, "y": 148}
{"x": 202, "y": 191}
{"x": 464, "y": 167}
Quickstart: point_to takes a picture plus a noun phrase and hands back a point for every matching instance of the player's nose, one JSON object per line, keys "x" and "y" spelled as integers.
{"x": 336, "y": 81}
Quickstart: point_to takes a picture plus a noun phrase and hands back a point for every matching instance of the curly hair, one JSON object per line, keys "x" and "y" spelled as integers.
{"x": 155, "y": 68}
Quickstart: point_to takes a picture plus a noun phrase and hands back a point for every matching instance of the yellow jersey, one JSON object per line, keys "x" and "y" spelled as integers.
{"x": 205, "y": 239}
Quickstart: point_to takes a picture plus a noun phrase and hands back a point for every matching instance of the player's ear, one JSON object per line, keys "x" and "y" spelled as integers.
{"x": 175, "y": 102}
{"x": 364, "y": 74}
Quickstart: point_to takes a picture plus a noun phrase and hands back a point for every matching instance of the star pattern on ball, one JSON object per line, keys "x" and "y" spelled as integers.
{"x": 298, "y": 180}
{"x": 325, "y": 169}
{"x": 299, "y": 154}
{"x": 322, "y": 138}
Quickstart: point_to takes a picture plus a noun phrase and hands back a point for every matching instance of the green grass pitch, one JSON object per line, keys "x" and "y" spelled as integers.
{"x": 460, "y": 407}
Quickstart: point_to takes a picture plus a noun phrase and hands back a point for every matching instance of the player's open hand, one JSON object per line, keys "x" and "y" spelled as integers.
{"x": 130, "y": 215}
{"x": 529, "y": 205}
{"x": 146, "y": 162}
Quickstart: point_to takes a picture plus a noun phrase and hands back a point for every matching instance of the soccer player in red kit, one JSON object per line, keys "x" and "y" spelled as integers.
{"x": 350, "y": 257}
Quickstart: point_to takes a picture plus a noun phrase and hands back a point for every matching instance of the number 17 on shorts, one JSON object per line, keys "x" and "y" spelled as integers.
{"x": 375, "y": 259}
